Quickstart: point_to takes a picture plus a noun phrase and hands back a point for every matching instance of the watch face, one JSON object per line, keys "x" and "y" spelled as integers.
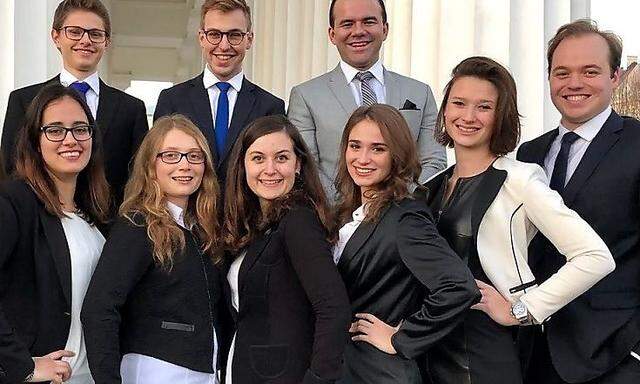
{"x": 519, "y": 310}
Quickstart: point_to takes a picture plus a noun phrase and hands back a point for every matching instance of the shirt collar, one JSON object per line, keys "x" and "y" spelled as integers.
{"x": 209, "y": 79}
{"x": 358, "y": 214}
{"x": 66, "y": 79}
{"x": 177, "y": 213}
{"x": 377, "y": 70}
{"x": 590, "y": 129}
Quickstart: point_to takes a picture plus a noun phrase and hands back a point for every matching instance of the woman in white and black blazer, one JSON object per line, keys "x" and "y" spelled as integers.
{"x": 488, "y": 208}
{"x": 407, "y": 288}
{"x": 154, "y": 311}
{"x": 49, "y": 241}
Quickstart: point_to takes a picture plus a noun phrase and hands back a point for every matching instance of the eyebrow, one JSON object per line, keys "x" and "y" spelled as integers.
{"x": 480, "y": 101}
{"x": 60, "y": 123}
{"x": 179, "y": 149}
{"x": 372, "y": 144}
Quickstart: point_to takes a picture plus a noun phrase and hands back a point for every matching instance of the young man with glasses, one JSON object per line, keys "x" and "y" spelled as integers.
{"x": 81, "y": 31}
{"x": 221, "y": 101}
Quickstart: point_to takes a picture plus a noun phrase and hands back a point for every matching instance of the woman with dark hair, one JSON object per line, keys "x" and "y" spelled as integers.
{"x": 489, "y": 208}
{"x": 49, "y": 240}
{"x": 408, "y": 289}
{"x": 292, "y": 312}
{"x": 154, "y": 311}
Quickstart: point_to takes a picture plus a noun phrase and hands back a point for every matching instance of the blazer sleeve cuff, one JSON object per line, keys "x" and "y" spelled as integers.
{"x": 312, "y": 378}
{"x": 16, "y": 373}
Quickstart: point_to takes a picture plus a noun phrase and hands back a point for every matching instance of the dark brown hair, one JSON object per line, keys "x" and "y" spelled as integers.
{"x": 143, "y": 195}
{"x": 243, "y": 217}
{"x": 225, "y": 6}
{"x": 92, "y": 191}
{"x": 584, "y": 27}
{"x": 332, "y": 19}
{"x": 506, "y": 132}
{"x": 2, "y": 174}
{"x": 94, "y": 6}
{"x": 405, "y": 166}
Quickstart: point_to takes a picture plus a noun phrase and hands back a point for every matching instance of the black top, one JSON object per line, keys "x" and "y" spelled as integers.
{"x": 454, "y": 220}
{"x": 294, "y": 312}
{"x": 134, "y": 305}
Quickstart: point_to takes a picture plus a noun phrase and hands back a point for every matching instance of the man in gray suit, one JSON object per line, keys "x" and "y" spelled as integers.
{"x": 321, "y": 106}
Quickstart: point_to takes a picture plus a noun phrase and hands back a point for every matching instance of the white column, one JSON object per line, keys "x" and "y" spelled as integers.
{"x": 556, "y": 14}
{"x": 397, "y": 51}
{"x": 580, "y": 9}
{"x": 7, "y": 53}
{"x": 424, "y": 41}
{"x": 492, "y": 29}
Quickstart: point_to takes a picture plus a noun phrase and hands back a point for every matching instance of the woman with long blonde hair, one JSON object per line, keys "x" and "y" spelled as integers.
{"x": 156, "y": 296}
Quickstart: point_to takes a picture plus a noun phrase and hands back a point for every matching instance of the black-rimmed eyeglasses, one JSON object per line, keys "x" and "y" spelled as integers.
{"x": 174, "y": 157}
{"x": 215, "y": 37}
{"x": 74, "y": 32}
{"x": 57, "y": 133}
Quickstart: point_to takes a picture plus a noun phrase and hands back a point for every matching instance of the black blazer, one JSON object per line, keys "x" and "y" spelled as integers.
{"x": 398, "y": 268}
{"x": 294, "y": 313}
{"x": 593, "y": 333}
{"x": 35, "y": 282}
{"x": 192, "y": 100}
{"x": 133, "y": 305}
{"x": 121, "y": 121}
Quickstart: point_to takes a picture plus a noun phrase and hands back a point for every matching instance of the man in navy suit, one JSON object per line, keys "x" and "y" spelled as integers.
{"x": 221, "y": 101}
{"x": 592, "y": 160}
{"x": 82, "y": 31}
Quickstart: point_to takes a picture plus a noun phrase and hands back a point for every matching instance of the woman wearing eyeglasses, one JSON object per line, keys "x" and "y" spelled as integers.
{"x": 49, "y": 242}
{"x": 154, "y": 311}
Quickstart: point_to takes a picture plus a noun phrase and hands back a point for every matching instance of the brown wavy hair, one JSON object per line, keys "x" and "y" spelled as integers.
{"x": 405, "y": 165}
{"x": 92, "y": 196}
{"x": 244, "y": 219}
{"x": 143, "y": 196}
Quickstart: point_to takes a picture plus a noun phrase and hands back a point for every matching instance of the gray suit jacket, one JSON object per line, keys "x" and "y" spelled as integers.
{"x": 321, "y": 107}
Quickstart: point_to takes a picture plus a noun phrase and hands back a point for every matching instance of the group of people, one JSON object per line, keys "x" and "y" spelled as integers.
{"x": 230, "y": 243}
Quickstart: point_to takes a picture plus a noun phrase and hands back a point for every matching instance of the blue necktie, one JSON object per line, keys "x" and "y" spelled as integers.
{"x": 81, "y": 87}
{"x": 222, "y": 117}
{"x": 559, "y": 176}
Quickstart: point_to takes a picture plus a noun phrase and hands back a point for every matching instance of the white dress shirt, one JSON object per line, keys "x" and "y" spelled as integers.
{"x": 141, "y": 369}
{"x": 209, "y": 81}
{"x": 92, "y": 95}
{"x": 347, "y": 231}
{"x": 587, "y": 132}
{"x": 85, "y": 245}
{"x": 232, "y": 278}
{"x": 377, "y": 83}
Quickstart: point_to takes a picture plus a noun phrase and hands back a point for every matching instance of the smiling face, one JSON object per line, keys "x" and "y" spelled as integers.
{"x": 224, "y": 59}
{"x": 358, "y": 32}
{"x": 81, "y": 58}
{"x": 580, "y": 80}
{"x": 271, "y": 165}
{"x": 469, "y": 114}
{"x": 65, "y": 159}
{"x": 368, "y": 157}
{"x": 180, "y": 180}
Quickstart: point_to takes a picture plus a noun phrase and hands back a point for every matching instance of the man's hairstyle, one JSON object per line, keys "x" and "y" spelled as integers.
{"x": 225, "y": 6}
{"x": 333, "y": 4}
{"x": 93, "y": 6}
{"x": 584, "y": 27}
{"x": 506, "y": 129}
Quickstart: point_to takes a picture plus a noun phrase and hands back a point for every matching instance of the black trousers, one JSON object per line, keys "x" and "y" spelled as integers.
{"x": 541, "y": 370}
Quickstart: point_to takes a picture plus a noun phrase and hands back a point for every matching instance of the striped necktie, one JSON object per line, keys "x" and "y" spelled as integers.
{"x": 367, "y": 93}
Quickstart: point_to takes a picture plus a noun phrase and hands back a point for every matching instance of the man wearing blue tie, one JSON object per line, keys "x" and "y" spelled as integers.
{"x": 81, "y": 31}
{"x": 221, "y": 101}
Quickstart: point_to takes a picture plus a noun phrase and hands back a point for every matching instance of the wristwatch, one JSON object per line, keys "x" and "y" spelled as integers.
{"x": 29, "y": 377}
{"x": 520, "y": 312}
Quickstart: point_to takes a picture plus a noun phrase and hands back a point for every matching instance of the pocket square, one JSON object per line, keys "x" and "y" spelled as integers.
{"x": 409, "y": 106}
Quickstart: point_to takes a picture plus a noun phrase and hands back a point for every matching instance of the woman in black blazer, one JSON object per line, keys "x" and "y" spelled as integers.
{"x": 58, "y": 196}
{"x": 154, "y": 312}
{"x": 291, "y": 309}
{"x": 408, "y": 289}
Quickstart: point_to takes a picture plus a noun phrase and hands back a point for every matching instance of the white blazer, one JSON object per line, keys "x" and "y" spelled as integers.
{"x": 514, "y": 203}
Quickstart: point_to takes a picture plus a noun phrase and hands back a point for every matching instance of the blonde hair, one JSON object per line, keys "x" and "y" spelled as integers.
{"x": 143, "y": 196}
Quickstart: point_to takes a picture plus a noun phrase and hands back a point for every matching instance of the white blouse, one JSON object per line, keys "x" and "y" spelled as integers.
{"x": 141, "y": 369}
{"x": 85, "y": 245}
{"x": 232, "y": 278}
{"x": 347, "y": 231}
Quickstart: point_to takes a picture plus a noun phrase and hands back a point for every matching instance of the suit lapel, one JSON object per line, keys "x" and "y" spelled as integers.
{"x": 57, "y": 242}
{"x": 392, "y": 90}
{"x": 108, "y": 103}
{"x": 253, "y": 254}
{"x": 539, "y": 152}
{"x": 357, "y": 240}
{"x": 487, "y": 190}
{"x": 201, "y": 110}
{"x": 609, "y": 134}
{"x": 241, "y": 112}
{"x": 340, "y": 89}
